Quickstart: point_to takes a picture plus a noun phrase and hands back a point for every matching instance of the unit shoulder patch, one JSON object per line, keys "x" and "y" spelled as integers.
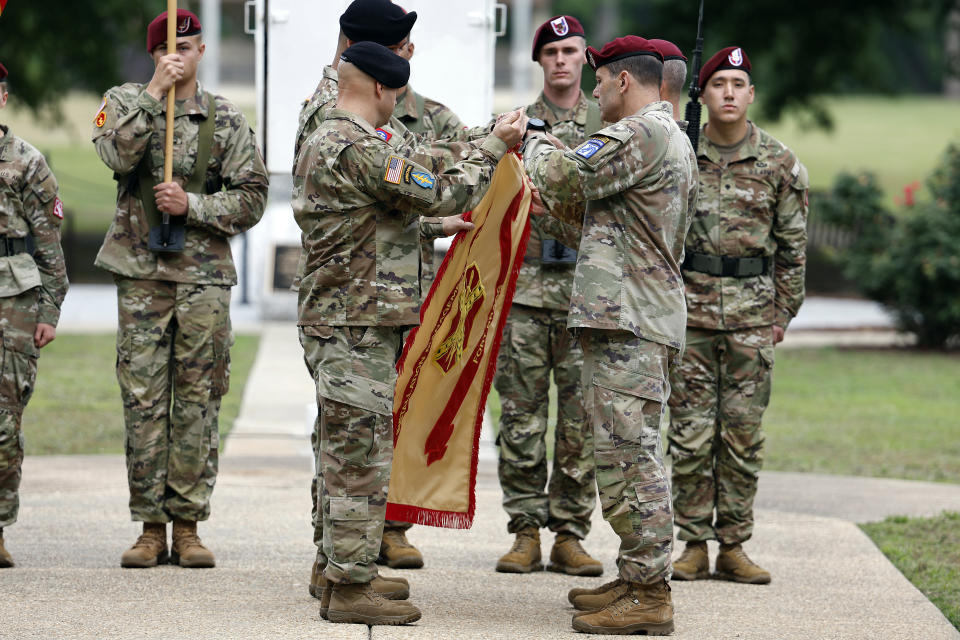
{"x": 589, "y": 148}
{"x": 395, "y": 167}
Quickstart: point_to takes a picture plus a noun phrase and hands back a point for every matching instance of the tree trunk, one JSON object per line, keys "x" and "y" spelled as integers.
{"x": 951, "y": 52}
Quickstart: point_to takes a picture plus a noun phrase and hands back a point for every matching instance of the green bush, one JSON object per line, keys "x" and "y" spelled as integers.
{"x": 911, "y": 262}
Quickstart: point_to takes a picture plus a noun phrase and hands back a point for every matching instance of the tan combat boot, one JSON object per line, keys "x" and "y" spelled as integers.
{"x": 188, "y": 551}
{"x": 569, "y": 556}
{"x": 524, "y": 556}
{"x": 149, "y": 550}
{"x": 646, "y": 609}
{"x": 396, "y": 551}
{"x": 734, "y": 564}
{"x": 361, "y": 604}
{"x": 389, "y": 588}
{"x": 596, "y": 599}
{"x": 693, "y": 563}
{"x": 6, "y": 560}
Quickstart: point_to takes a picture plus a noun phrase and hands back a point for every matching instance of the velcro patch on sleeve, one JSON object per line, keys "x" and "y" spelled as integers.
{"x": 384, "y": 135}
{"x": 101, "y": 116}
{"x": 589, "y": 148}
{"x": 395, "y": 168}
{"x": 58, "y": 208}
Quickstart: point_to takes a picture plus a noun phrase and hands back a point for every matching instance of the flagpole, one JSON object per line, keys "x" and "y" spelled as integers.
{"x": 171, "y": 93}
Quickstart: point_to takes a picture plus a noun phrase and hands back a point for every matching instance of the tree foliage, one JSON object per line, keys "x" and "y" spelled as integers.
{"x": 910, "y": 263}
{"x": 53, "y": 46}
{"x": 800, "y": 51}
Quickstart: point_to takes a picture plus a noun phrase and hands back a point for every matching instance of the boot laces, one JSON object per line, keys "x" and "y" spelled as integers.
{"x": 522, "y": 543}
{"x": 688, "y": 554}
{"x": 396, "y": 539}
{"x": 574, "y": 547}
{"x": 147, "y": 540}
{"x": 743, "y": 557}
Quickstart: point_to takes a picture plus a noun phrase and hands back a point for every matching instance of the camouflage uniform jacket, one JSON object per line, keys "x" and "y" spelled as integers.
{"x": 754, "y": 206}
{"x": 548, "y": 286}
{"x": 29, "y": 206}
{"x": 357, "y": 203}
{"x": 235, "y": 185}
{"x": 425, "y": 116}
{"x": 638, "y": 178}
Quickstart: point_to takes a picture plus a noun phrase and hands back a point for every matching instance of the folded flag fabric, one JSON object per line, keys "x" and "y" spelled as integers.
{"x": 3, "y": 5}
{"x": 448, "y": 362}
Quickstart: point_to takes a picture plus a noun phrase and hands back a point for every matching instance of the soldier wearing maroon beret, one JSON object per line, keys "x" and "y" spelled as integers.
{"x": 174, "y": 338}
{"x": 536, "y": 343}
{"x": 744, "y": 273}
{"x": 637, "y": 182}
{"x": 674, "y": 75}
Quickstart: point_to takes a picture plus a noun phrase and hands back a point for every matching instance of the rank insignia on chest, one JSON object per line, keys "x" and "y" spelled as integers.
{"x": 384, "y": 135}
{"x": 591, "y": 146}
{"x": 394, "y": 170}
{"x": 423, "y": 179}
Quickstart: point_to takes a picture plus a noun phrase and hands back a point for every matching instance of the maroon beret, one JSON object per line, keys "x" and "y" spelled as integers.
{"x": 3, "y": 72}
{"x": 623, "y": 47}
{"x": 188, "y": 24}
{"x": 727, "y": 58}
{"x": 668, "y": 50}
{"x": 554, "y": 29}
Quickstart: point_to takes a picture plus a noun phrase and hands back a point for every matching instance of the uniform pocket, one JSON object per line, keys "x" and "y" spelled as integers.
{"x": 654, "y": 513}
{"x": 19, "y": 359}
{"x": 220, "y": 379}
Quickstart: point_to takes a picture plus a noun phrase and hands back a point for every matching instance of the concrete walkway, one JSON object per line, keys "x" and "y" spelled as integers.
{"x": 830, "y": 581}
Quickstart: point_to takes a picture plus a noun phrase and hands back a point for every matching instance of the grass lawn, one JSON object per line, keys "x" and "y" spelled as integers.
{"x": 927, "y": 552}
{"x": 82, "y": 414}
{"x": 883, "y": 413}
{"x": 887, "y": 413}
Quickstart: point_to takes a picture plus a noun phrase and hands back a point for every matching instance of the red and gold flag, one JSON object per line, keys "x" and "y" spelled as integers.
{"x": 448, "y": 362}
{"x": 3, "y": 5}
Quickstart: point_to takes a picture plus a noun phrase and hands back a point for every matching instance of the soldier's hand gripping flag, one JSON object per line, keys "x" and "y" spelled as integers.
{"x": 448, "y": 362}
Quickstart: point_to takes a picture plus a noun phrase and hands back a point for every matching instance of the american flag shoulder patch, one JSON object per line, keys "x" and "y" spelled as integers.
{"x": 394, "y": 170}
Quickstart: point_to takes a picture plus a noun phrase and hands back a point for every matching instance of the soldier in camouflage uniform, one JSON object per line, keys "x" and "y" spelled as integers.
{"x": 536, "y": 341}
{"x": 174, "y": 337}
{"x": 355, "y": 200}
{"x": 31, "y": 292}
{"x": 744, "y": 274}
{"x": 638, "y": 179}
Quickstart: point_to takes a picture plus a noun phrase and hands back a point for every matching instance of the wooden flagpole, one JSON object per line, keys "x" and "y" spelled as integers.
{"x": 171, "y": 94}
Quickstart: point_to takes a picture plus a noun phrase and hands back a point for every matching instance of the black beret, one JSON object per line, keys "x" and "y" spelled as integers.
{"x": 3, "y": 72}
{"x": 379, "y": 21}
{"x": 378, "y": 62}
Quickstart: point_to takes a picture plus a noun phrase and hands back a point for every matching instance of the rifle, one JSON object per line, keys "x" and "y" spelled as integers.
{"x": 692, "y": 114}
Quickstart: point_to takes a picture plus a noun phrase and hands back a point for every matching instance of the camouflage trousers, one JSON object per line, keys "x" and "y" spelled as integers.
{"x": 720, "y": 392}
{"x": 173, "y": 366}
{"x": 354, "y": 370}
{"x": 625, "y": 387}
{"x": 18, "y": 357}
{"x": 536, "y": 341}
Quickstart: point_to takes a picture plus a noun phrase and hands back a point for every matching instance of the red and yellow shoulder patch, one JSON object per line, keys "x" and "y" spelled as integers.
{"x": 101, "y": 116}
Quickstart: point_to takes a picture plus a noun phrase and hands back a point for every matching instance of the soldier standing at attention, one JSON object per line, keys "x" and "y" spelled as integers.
{"x": 674, "y": 75}
{"x": 354, "y": 199}
{"x": 536, "y": 341}
{"x": 638, "y": 180}
{"x": 744, "y": 271}
{"x": 31, "y": 292}
{"x": 174, "y": 337}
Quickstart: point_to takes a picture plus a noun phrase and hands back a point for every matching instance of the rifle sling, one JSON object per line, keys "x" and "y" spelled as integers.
{"x": 196, "y": 184}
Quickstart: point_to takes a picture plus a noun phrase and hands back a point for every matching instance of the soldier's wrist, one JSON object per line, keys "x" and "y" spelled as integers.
{"x": 151, "y": 103}
{"x": 494, "y": 146}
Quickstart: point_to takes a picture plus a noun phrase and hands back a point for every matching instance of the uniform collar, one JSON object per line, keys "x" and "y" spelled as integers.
{"x": 330, "y": 73}
{"x": 552, "y": 114}
{"x": 751, "y": 147}
{"x": 195, "y": 105}
{"x": 407, "y": 106}
{"x": 341, "y": 114}
{"x": 660, "y": 106}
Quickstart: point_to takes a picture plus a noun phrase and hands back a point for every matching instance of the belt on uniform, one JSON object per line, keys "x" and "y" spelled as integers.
{"x": 12, "y": 246}
{"x": 724, "y": 266}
